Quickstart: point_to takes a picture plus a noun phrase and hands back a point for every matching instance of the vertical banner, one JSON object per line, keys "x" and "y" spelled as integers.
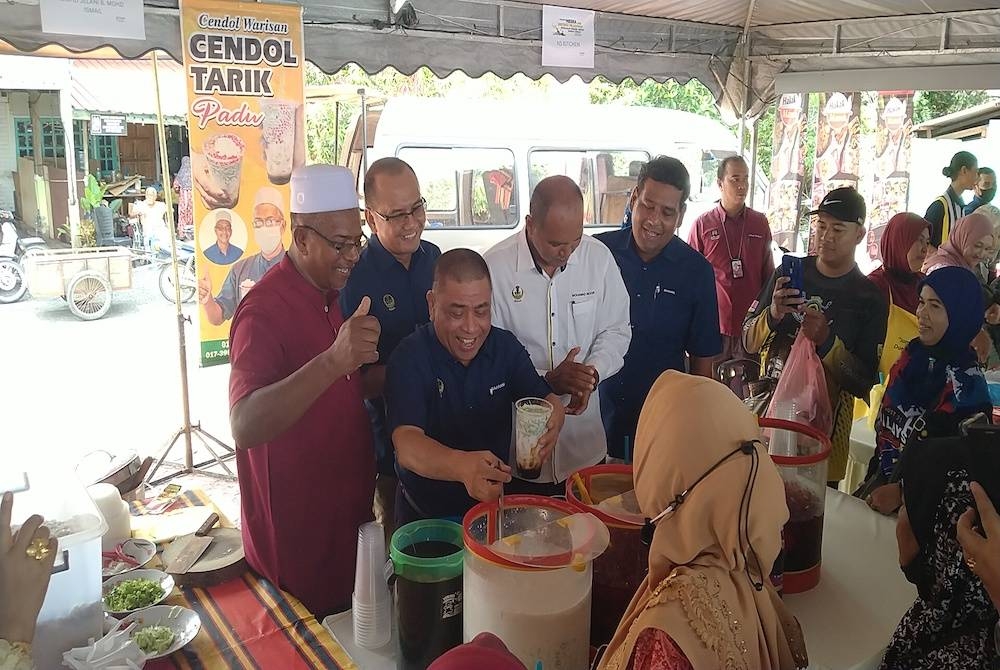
{"x": 244, "y": 63}
{"x": 892, "y": 164}
{"x": 838, "y": 152}
{"x": 787, "y": 168}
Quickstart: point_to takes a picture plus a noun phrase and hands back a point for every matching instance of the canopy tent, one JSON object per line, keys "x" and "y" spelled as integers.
{"x": 745, "y": 51}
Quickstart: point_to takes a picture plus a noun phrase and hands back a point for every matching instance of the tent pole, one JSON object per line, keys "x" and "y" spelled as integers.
{"x": 186, "y": 430}
{"x": 753, "y": 161}
{"x": 364, "y": 130}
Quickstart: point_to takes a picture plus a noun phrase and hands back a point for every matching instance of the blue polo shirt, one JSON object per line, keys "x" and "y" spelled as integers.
{"x": 674, "y": 310}
{"x": 399, "y": 302}
{"x": 468, "y": 408}
{"x": 399, "y": 295}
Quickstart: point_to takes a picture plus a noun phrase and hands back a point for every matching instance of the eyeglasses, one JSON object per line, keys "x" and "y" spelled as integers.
{"x": 417, "y": 210}
{"x": 269, "y": 222}
{"x": 339, "y": 245}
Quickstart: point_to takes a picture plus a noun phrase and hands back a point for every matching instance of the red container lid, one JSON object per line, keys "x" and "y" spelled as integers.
{"x": 803, "y": 429}
{"x": 586, "y": 475}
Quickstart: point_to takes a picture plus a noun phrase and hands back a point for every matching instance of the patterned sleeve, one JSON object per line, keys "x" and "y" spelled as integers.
{"x": 655, "y": 650}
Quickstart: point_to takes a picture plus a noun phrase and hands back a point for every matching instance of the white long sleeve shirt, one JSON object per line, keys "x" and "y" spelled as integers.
{"x": 584, "y": 305}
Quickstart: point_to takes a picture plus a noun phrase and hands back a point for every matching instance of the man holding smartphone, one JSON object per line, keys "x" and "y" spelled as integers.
{"x": 838, "y": 309}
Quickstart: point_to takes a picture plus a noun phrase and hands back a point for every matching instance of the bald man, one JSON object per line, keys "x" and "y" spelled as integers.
{"x": 561, "y": 293}
{"x": 450, "y": 388}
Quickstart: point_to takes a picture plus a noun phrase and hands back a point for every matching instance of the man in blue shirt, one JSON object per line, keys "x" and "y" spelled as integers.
{"x": 222, "y": 252}
{"x": 395, "y": 270}
{"x": 450, "y": 390}
{"x": 674, "y": 307}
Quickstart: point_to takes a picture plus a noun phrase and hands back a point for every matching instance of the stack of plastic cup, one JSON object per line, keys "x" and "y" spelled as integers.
{"x": 371, "y": 601}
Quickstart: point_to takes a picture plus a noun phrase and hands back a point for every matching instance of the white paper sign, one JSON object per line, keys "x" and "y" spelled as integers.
{"x": 567, "y": 37}
{"x": 97, "y": 18}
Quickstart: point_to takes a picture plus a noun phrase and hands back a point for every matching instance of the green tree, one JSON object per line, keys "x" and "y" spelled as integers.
{"x": 690, "y": 97}
{"x": 929, "y": 105}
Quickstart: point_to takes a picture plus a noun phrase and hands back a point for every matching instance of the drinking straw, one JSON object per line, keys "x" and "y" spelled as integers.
{"x": 584, "y": 494}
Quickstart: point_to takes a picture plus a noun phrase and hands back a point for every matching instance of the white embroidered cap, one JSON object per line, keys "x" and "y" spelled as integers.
{"x": 323, "y": 188}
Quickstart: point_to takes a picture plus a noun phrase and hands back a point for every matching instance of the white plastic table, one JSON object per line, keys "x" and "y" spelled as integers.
{"x": 849, "y": 618}
{"x": 861, "y": 451}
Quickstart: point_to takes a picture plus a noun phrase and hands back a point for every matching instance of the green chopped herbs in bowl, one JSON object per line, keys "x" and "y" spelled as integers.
{"x": 133, "y": 594}
{"x": 154, "y": 639}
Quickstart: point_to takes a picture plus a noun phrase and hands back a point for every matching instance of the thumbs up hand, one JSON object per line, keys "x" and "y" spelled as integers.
{"x": 356, "y": 342}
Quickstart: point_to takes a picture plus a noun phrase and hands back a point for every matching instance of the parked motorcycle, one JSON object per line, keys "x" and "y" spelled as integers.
{"x": 185, "y": 272}
{"x": 13, "y": 251}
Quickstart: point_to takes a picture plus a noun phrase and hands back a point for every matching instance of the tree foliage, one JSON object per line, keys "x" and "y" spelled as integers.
{"x": 690, "y": 97}
{"x": 929, "y": 105}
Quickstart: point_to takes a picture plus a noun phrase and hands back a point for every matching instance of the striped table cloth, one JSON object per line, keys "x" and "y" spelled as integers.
{"x": 248, "y": 623}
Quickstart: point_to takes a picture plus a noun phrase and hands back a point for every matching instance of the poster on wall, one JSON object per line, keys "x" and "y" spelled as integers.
{"x": 838, "y": 152}
{"x": 787, "y": 168}
{"x": 244, "y": 65}
{"x": 894, "y": 122}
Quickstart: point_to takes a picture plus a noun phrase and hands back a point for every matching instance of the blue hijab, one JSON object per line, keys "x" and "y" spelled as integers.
{"x": 927, "y": 374}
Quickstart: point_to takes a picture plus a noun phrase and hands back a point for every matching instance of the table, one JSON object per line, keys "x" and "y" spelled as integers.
{"x": 861, "y": 451}
{"x": 849, "y": 618}
{"x": 248, "y": 623}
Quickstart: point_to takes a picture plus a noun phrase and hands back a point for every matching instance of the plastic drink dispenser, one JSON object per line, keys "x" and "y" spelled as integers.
{"x": 72, "y": 612}
{"x": 531, "y": 586}
{"x": 803, "y": 467}
{"x": 608, "y": 492}
{"x": 427, "y": 559}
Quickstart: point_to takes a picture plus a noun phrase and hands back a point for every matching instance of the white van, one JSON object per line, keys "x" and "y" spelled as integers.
{"x": 477, "y": 162}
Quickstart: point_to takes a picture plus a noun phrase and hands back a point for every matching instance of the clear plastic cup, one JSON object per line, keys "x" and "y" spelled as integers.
{"x": 371, "y": 604}
{"x": 530, "y": 423}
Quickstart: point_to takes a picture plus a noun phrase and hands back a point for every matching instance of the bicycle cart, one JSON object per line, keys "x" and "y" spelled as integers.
{"x": 85, "y": 278}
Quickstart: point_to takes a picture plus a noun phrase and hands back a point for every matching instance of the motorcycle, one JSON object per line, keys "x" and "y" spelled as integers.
{"x": 185, "y": 272}
{"x": 13, "y": 250}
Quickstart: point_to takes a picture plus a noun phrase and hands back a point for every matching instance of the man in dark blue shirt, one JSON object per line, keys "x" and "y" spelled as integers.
{"x": 450, "y": 390}
{"x": 395, "y": 270}
{"x": 673, "y": 302}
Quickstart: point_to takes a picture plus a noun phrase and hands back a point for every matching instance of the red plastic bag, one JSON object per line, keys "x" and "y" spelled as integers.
{"x": 801, "y": 393}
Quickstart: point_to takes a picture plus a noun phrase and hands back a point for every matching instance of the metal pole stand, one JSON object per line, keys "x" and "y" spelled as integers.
{"x": 187, "y": 429}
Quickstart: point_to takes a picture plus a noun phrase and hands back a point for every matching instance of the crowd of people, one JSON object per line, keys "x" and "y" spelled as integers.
{"x": 386, "y": 370}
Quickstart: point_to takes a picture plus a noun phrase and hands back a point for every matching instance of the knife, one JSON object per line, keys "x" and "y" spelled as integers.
{"x": 193, "y": 547}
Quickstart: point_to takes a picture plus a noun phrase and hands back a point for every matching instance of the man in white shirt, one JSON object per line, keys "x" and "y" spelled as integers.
{"x": 561, "y": 293}
{"x": 152, "y": 215}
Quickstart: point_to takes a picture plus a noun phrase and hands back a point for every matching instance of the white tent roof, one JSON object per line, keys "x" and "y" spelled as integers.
{"x": 793, "y": 45}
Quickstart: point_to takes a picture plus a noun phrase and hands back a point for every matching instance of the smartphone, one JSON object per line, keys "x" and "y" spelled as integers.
{"x": 791, "y": 267}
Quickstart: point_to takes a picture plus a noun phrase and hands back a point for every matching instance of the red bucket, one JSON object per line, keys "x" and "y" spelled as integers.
{"x": 803, "y": 453}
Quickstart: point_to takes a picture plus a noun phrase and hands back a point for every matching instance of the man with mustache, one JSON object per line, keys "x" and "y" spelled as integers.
{"x": 295, "y": 400}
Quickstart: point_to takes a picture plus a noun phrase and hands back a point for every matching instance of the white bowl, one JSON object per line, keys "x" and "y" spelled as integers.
{"x": 164, "y": 580}
{"x": 142, "y": 551}
{"x": 184, "y": 623}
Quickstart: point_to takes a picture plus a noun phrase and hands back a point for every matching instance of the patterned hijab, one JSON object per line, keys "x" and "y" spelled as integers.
{"x": 707, "y": 558}
{"x": 184, "y": 174}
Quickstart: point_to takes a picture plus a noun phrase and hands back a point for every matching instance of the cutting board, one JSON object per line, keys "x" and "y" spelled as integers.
{"x": 160, "y": 528}
{"x": 222, "y": 561}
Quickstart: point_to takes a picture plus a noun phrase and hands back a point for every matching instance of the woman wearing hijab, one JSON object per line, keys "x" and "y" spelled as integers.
{"x": 904, "y": 249}
{"x": 963, "y": 171}
{"x": 707, "y": 601}
{"x": 969, "y": 244}
{"x": 185, "y": 200}
{"x": 935, "y": 384}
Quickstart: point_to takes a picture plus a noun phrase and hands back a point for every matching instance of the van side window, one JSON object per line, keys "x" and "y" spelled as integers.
{"x": 465, "y": 186}
{"x": 606, "y": 178}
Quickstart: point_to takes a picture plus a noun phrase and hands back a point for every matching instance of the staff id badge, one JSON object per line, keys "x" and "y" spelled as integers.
{"x": 737, "y": 268}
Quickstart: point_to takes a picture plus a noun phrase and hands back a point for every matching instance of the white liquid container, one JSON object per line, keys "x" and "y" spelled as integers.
{"x": 115, "y": 512}
{"x": 540, "y": 614}
{"x": 72, "y": 612}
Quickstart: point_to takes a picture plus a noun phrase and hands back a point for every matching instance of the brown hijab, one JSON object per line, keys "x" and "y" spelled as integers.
{"x": 698, "y": 591}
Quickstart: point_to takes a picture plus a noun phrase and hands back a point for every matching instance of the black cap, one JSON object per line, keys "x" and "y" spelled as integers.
{"x": 843, "y": 204}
